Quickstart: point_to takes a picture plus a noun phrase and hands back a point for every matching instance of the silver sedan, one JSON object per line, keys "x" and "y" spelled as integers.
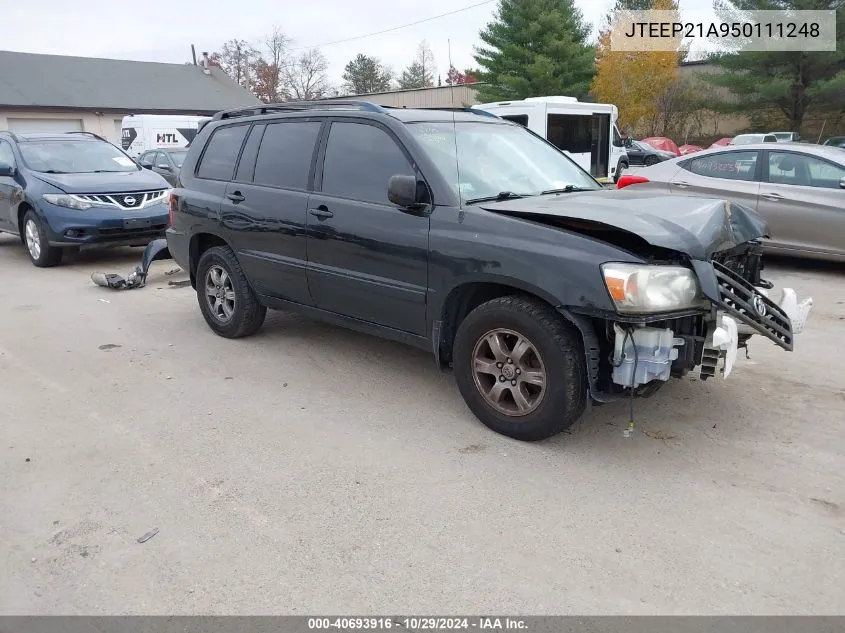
{"x": 799, "y": 189}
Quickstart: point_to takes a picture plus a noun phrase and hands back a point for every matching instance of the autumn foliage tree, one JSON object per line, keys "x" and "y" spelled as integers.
{"x": 455, "y": 77}
{"x": 637, "y": 82}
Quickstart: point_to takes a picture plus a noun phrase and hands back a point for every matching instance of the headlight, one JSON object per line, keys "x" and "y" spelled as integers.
{"x": 638, "y": 288}
{"x": 64, "y": 200}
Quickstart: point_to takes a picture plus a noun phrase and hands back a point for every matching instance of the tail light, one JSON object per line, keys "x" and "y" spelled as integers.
{"x": 630, "y": 179}
{"x": 172, "y": 208}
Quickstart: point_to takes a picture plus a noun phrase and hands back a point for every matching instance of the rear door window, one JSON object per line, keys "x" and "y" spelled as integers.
{"x": 360, "y": 159}
{"x": 285, "y": 154}
{"x": 727, "y": 165}
{"x": 221, "y": 154}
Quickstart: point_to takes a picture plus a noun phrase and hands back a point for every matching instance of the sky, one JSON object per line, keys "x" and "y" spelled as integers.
{"x": 163, "y": 30}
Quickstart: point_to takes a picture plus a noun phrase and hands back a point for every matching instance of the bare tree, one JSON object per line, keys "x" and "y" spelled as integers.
{"x": 305, "y": 76}
{"x": 238, "y": 59}
{"x": 276, "y": 45}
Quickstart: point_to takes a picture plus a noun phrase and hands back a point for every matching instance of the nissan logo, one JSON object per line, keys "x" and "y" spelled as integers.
{"x": 129, "y": 201}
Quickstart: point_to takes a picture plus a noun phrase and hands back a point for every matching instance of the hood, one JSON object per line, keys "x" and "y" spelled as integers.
{"x": 118, "y": 182}
{"x": 697, "y": 227}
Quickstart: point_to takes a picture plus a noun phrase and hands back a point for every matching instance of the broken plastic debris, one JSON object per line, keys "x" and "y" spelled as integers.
{"x": 148, "y": 535}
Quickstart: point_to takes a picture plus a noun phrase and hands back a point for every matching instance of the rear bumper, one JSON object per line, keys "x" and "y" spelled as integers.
{"x": 103, "y": 227}
{"x": 179, "y": 245}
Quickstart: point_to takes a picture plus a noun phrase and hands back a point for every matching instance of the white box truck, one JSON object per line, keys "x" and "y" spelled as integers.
{"x": 142, "y": 132}
{"x": 585, "y": 131}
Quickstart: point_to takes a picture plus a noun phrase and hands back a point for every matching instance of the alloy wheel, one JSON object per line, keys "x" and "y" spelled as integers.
{"x": 509, "y": 372}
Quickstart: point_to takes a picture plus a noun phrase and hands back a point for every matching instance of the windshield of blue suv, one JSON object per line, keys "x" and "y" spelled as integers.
{"x": 484, "y": 160}
{"x": 75, "y": 157}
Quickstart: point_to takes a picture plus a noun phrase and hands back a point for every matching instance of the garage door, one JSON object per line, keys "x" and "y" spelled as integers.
{"x": 25, "y": 126}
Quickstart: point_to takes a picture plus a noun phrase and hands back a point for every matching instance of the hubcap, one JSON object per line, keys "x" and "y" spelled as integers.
{"x": 220, "y": 293}
{"x": 509, "y": 372}
{"x": 33, "y": 239}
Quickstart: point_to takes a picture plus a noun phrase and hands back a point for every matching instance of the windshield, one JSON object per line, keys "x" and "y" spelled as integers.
{"x": 486, "y": 159}
{"x": 785, "y": 136}
{"x": 178, "y": 157}
{"x": 747, "y": 139}
{"x": 75, "y": 157}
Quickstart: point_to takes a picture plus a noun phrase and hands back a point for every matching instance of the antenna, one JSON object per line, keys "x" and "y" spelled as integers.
{"x": 194, "y": 54}
{"x": 451, "y": 83}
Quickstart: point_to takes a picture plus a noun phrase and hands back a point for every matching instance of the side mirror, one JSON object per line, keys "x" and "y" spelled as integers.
{"x": 403, "y": 191}
{"x": 165, "y": 167}
{"x": 627, "y": 142}
{"x": 6, "y": 170}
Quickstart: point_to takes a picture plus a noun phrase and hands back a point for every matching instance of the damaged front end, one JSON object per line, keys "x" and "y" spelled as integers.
{"x": 637, "y": 353}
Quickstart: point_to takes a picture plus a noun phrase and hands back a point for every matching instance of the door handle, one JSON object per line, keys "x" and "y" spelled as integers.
{"x": 321, "y": 212}
{"x": 773, "y": 196}
{"x": 236, "y": 196}
{"x": 681, "y": 184}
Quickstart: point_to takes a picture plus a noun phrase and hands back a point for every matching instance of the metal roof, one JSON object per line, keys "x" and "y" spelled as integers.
{"x": 30, "y": 80}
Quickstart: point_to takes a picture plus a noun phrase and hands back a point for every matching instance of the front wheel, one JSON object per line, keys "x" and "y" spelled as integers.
{"x": 520, "y": 368}
{"x": 38, "y": 243}
{"x": 228, "y": 303}
{"x": 622, "y": 167}
{"x": 651, "y": 160}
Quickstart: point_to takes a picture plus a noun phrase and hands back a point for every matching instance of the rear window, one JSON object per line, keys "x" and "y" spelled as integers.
{"x": 284, "y": 158}
{"x": 221, "y": 154}
{"x": 728, "y": 165}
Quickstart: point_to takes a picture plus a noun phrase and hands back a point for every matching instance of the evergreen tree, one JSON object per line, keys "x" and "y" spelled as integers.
{"x": 534, "y": 48}
{"x": 789, "y": 82}
{"x": 420, "y": 74}
{"x": 366, "y": 74}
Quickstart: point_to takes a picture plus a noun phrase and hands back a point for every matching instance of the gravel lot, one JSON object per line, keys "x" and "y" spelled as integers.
{"x": 312, "y": 470}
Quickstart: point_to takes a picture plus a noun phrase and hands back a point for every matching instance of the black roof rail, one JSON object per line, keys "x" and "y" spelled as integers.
{"x": 12, "y": 134}
{"x": 97, "y": 136}
{"x": 449, "y": 109}
{"x": 296, "y": 106}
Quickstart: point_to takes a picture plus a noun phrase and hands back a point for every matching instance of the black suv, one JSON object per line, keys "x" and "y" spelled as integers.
{"x": 76, "y": 190}
{"x": 470, "y": 236}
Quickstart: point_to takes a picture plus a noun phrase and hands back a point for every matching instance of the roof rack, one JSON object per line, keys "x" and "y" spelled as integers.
{"x": 296, "y": 106}
{"x": 97, "y": 136}
{"x": 449, "y": 109}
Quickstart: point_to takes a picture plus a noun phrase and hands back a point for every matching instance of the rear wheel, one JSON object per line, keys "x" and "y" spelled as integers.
{"x": 520, "y": 368}
{"x": 227, "y": 301}
{"x": 650, "y": 160}
{"x": 37, "y": 243}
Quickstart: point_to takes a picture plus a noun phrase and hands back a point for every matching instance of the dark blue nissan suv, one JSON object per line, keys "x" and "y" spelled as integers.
{"x": 76, "y": 190}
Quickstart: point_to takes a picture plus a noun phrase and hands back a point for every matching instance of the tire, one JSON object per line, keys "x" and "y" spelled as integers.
{"x": 622, "y": 167}
{"x": 36, "y": 242}
{"x": 556, "y": 352}
{"x": 235, "y": 311}
{"x": 650, "y": 160}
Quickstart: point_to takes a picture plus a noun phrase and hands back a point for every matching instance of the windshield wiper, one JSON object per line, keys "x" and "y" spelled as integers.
{"x": 566, "y": 189}
{"x": 54, "y": 171}
{"x": 502, "y": 195}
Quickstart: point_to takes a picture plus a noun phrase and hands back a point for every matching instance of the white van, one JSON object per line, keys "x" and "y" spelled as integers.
{"x": 585, "y": 131}
{"x": 143, "y": 132}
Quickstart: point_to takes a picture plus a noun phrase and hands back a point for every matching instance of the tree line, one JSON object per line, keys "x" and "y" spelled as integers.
{"x": 545, "y": 47}
{"x": 275, "y": 72}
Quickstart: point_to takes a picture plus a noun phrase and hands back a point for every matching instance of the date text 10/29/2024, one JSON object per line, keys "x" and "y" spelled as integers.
{"x": 417, "y": 624}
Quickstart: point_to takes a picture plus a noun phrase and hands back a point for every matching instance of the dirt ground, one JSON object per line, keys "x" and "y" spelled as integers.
{"x": 312, "y": 470}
